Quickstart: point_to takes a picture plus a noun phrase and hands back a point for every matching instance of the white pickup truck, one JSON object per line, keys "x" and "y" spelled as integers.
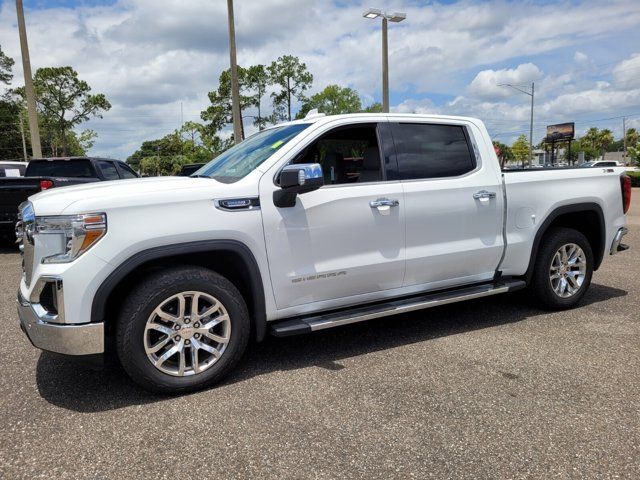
{"x": 304, "y": 226}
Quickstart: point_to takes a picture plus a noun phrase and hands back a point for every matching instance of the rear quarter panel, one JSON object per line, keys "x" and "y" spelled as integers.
{"x": 533, "y": 195}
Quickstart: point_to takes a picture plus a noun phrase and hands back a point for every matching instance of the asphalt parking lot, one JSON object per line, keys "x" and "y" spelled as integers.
{"x": 491, "y": 388}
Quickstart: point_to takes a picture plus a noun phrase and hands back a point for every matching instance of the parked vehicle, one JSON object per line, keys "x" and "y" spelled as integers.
{"x": 304, "y": 226}
{"x": 12, "y": 169}
{"x": 190, "y": 168}
{"x": 43, "y": 174}
{"x": 602, "y": 163}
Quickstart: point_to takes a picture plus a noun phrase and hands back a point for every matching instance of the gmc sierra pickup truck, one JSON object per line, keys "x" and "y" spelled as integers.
{"x": 304, "y": 226}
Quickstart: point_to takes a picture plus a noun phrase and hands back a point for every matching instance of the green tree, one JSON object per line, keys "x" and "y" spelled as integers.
{"x": 503, "y": 152}
{"x": 333, "y": 100}
{"x": 520, "y": 149}
{"x": 633, "y": 137}
{"x": 634, "y": 154}
{"x": 293, "y": 78}
{"x": 64, "y": 102}
{"x": 220, "y": 114}
{"x": 598, "y": 140}
{"x": 375, "y": 107}
{"x": 258, "y": 80}
{"x": 167, "y": 155}
{"x": 10, "y": 138}
{"x": 6, "y": 64}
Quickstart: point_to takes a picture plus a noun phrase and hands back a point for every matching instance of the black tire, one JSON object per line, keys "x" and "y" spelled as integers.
{"x": 541, "y": 286}
{"x": 148, "y": 295}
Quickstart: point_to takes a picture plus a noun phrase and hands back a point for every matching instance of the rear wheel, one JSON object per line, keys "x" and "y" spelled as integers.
{"x": 563, "y": 269}
{"x": 181, "y": 330}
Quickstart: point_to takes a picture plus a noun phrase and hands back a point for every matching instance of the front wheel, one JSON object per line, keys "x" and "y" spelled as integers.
{"x": 563, "y": 269}
{"x": 181, "y": 330}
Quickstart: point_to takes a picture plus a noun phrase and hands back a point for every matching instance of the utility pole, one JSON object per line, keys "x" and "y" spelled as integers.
{"x": 624, "y": 139}
{"x": 235, "y": 90}
{"x": 533, "y": 92}
{"x": 36, "y": 150}
{"x": 24, "y": 143}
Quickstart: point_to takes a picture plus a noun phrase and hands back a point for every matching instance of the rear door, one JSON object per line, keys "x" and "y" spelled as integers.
{"x": 453, "y": 204}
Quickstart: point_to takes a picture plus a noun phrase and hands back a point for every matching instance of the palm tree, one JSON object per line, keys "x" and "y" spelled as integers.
{"x": 604, "y": 140}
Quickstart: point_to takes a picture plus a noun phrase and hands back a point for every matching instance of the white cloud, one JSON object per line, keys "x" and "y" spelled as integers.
{"x": 580, "y": 58}
{"x": 627, "y": 73}
{"x": 486, "y": 84}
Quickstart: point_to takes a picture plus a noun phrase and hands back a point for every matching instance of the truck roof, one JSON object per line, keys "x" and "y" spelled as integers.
{"x": 320, "y": 117}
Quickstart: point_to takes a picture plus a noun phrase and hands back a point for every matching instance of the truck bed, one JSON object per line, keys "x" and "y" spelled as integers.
{"x": 533, "y": 193}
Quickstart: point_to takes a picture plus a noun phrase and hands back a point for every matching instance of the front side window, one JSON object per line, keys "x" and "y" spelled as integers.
{"x": 245, "y": 157}
{"x": 431, "y": 151}
{"x": 347, "y": 155}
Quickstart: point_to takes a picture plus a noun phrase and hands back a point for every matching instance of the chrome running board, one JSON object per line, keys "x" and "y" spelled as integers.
{"x": 300, "y": 325}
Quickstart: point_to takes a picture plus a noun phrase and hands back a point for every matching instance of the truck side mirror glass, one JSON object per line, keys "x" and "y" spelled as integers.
{"x": 297, "y": 179}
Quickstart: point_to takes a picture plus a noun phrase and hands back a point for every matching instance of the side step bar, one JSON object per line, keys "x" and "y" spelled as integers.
{"x": 300, "y": 325}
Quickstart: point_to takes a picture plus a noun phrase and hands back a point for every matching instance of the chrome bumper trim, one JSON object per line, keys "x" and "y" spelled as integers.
{"x": 617, "y": 241}
{"x": 85, "y": 339}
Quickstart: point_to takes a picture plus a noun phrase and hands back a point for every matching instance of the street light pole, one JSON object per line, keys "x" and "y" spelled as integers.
{"x": 373, "y": 13}
{"x": 532, "y": 95}
{"x": 385, "y": 67}
{"x": 36, "y": 150}
{"x": 235, "y": 90}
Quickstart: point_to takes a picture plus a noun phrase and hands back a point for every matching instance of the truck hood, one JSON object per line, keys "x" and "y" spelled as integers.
{"x": 101, "y": 196}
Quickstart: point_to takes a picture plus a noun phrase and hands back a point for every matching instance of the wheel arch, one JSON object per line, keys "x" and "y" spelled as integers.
{"x": 230, "y": 258}
{"x": 587, "y": 218}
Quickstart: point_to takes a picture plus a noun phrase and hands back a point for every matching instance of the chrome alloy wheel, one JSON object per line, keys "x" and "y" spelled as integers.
{"x": 187, "y": 333}
{"x": 568, "y": 270}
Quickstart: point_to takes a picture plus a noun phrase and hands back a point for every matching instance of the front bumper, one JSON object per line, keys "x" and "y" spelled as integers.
{"x": 85, "y": 339}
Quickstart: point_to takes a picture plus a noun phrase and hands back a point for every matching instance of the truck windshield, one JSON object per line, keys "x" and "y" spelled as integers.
{"x": 243, "y": 158}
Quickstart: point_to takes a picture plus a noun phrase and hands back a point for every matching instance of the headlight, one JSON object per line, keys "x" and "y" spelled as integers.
{"x": 79, "y": 233}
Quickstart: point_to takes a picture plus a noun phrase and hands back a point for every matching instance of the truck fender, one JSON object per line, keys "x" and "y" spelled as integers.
{"x": 253, "y": 277}
{"x": 563, "y": 210}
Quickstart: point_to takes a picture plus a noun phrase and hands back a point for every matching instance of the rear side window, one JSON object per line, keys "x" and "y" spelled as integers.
{"x": 431, "y": 151}
{"x": 77, "y": 168}
{"x": 108, "y": 170}
{"x": 126, "y": 172}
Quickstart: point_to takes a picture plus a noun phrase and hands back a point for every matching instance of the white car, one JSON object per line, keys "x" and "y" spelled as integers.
{"x": 307, "y": 225}
{"x": 10, "y": 168}
{"x": 602, "y": 163}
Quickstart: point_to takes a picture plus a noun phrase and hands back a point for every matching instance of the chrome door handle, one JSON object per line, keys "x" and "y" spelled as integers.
{"x": 484, "y": 195}
{"x": 383, "y": 202}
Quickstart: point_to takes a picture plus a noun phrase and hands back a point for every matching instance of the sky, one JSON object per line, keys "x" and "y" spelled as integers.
{"x": 156, "y": 60}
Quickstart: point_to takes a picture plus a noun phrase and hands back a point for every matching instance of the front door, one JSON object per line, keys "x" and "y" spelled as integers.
{"x": 336, "y": 243}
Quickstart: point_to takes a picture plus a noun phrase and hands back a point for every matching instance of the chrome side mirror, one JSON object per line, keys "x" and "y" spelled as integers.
{"x": 295, "y": 180}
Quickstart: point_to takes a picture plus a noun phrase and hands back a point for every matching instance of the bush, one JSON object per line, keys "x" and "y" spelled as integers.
{"x": 635, "y": 178}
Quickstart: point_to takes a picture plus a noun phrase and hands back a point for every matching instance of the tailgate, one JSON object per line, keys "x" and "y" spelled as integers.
{"x": 14, "y": 191}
